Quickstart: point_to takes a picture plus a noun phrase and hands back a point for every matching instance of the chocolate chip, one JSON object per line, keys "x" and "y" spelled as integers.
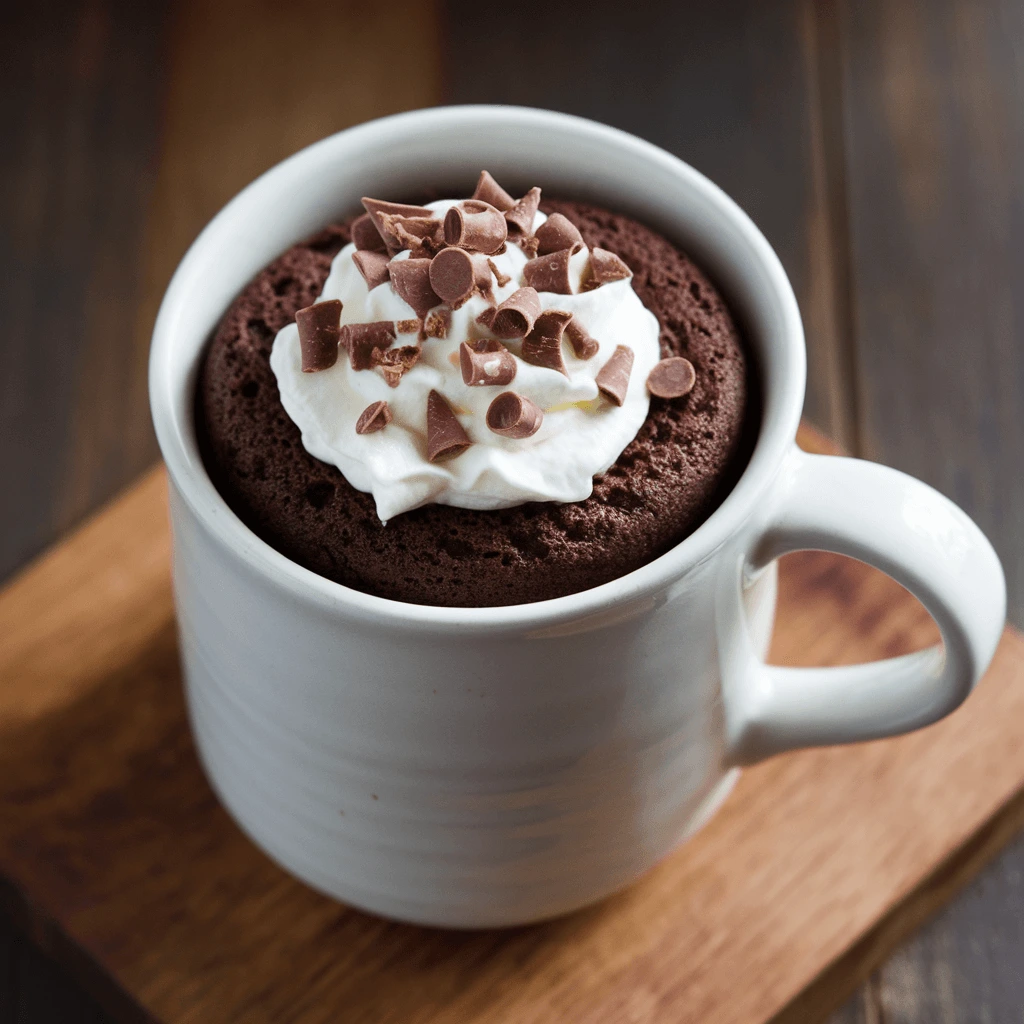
{"x": 489, "y": 191}
{"x": 374, "y": 417}
{"x": 372, "y": 265}
{"x": 549, "y": 273}
{"x": 556, "y": 233}
{"x": 377, "y": 208}
{"x": 438, "y": 323}
{"x": 486, "y": 362}
{"x": 606, "y": 267}
{"x": 515, "y": 317}
{"x": 502, "y": 279}
{"x": 394, "y": 362}
{"x": 408, "y": 326}
{"x": 543, "y": 345}
{"x": 445, "y": 436}
{"x": 486, "y": 318}
{"x": 361, "y": 339}
{"x": 475, "y": 225}
{"x": 613, "y": 378}
{"x": 411, "y": 280}
{"x": 512, "y": 415}
{"x": 520, "y": 217}
{"x": 319, "y": 334}
{"x": 456, "y": 274}
{"x": 366, "y": 236}
{"x": 583, "y": 345}
{"x": 671, "y": 378}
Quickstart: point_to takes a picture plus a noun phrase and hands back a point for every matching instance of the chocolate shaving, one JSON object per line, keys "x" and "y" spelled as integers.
{"x": 374, "y": 417}
{"x": 486, "y": 318}
{"x": 475, "y": 225}
{"x": 456, "y": 274}
{"x": 543, "y": 345}
{"x": 583, "y": 345}
{"x": 515, "y": 317}
{"x": 408, "y": 326}
{"x": 319, "y": 334}
{"x": 445, "y": 436}
{"x": 613, "y": 378}
{"x": 366, "y": 236}
{"x": 411, "y": 280}
{"x": 393, "y": 363}
{"x": 529, "y": 245}
{"x": 486, "y": 362}
{"x": 421, "y": 234}
{"x": 512, "y": 415}
{"x": 606, "y": 267}
{"x": 360, "y": 340}
{"x": 489, "y": 191}
{"x": 372, "y": 265}
{"x": 549, "y": 273}
{"x": 520, "y": 217}
{"x": 378, "y": 209}
{"x": 671, "y": 378}
{"x": 438, "y": 323}
{"x": 556, "y": 233}
{"x": 502, "y": 279}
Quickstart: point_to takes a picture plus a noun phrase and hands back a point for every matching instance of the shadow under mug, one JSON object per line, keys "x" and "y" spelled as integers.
{"x": 494, "y": 766}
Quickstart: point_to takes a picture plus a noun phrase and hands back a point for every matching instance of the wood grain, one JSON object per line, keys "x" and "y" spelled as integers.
{"x": 191, "y": 922}
{"x": 742, "y": 90}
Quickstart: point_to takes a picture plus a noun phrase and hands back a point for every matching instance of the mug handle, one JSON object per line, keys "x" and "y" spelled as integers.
{"x": 912, "y": 533}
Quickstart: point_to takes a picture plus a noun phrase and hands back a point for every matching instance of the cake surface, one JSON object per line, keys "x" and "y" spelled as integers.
{"x": 666, "y": 482}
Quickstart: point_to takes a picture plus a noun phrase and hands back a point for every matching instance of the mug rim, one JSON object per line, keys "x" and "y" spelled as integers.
{"x": 172, "y": 400}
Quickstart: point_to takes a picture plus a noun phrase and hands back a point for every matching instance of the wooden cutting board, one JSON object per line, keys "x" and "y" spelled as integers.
{"x": 117, "y": 859}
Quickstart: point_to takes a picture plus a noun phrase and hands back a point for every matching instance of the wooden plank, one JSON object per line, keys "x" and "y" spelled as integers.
{"x": 790, "y": 879}
{"x": 745, "y": 91}
{"x": 935, "y": 150}
{"x": 80, "y": 90}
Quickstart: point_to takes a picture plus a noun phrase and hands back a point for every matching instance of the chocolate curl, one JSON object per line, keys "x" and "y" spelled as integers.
{"x": 556, "y": 233}
{"x": 372, "y": 265}
{"x": 445, "y": 436}
{"x": 515, "y": 317}
{"x": 374, "y": 417}
{"x": 520, "y": 217}
{"x": 360, "y": 340}
{"x": 319, "y": 334}
{"x": 378, "y": 208}
{"x": 583, "y": 345}
{"x": 475, "y": 225}
{"x": 489, "y": 191}
{"x": 411, "y": 280}
{"x": 455, "y": 274}
{"x": 543, "y": 345}
{"x": 438, "y": 323}
{"x": 606, "y": 267}
{"x": 512, "y": 415}
{"x": 393, "y": 363}
{"x": 486, "y": 318}
{"x": 366, "y": 236}
{"x": 502, "y": 279}
{"x": 486, "y": 362}
{"x": 529, "y": 245}
{"x": 421, "y": 234}
{"x": 613, "y": 378}
{"x": 549, "y": 273}
{"x": 672, "y": 378}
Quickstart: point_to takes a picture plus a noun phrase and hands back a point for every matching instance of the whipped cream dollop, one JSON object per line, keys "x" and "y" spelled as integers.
{"x": 581, "y": 434}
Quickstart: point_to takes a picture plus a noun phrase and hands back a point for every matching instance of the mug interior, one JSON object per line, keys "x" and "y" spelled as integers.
{"x": 445, "y": 148}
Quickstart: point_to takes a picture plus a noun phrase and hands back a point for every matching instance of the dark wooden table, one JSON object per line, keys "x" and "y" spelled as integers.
{"x": 878, "y": 143}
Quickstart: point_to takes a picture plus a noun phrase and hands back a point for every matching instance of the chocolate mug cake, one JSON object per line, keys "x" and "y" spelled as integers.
{"x": 480, "y": 402}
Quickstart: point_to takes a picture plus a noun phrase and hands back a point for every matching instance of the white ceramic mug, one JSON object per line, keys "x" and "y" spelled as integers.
{"x": 493, "y": 766}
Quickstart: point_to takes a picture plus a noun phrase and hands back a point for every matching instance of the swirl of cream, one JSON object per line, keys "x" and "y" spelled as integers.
{"x": 582, "y": 433}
